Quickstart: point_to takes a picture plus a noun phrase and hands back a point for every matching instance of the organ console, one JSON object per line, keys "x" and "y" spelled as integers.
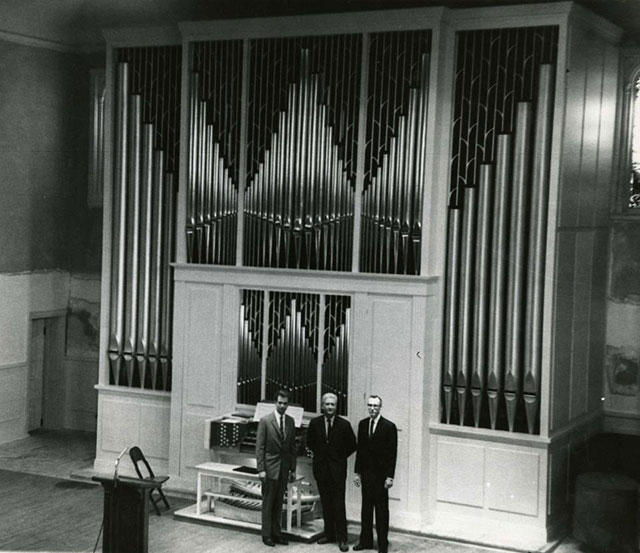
{"x": 228, "y": 488}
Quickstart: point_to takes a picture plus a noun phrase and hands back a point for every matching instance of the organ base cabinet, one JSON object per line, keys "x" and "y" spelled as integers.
{"x": 409, "y": 203}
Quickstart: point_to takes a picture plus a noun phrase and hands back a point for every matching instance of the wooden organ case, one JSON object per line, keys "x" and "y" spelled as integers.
{"x": 410, "y": 203}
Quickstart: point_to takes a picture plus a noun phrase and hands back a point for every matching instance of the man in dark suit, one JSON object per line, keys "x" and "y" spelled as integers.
{"x": 375, "y": 469}
{"x": 276, "y": 459}
{"x": 332, "y": 440}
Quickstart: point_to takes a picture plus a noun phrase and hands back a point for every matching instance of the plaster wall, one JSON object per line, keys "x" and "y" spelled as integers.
{"x": 43, "y": 153}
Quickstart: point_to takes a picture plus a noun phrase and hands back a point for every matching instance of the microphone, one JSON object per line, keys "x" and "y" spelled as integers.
{"x": 117, "y": 463}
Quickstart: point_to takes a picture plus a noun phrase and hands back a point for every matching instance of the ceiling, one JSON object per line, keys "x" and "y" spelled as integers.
{"x": 79, "y": 22}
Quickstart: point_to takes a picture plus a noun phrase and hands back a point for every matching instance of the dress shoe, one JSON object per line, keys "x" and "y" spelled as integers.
{"x": 343, "y": 546}
{"x": 361, "y": 547}
{"x": 269, "y": 542}
{"x": 324, "y": 540}
{"x": 280, "y": 540}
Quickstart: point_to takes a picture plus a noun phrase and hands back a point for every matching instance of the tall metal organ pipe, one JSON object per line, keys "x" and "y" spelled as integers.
{"x": 467, "y": 274}
{"x": 537, "y": 250}
{"x": 452, "y": 295}
{"x": 119, "y": 250}
{"x": 482, "y": 287}
{"x": 497, "y": 300}
{"x": 517, "y": 261}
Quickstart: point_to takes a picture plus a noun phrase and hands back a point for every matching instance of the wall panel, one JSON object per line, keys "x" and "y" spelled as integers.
{"x": 512, "y": 481}
{"x": 587, "y": 191}
{"x": 576, "y": 75}
{"x": 202, "y": 345}
{"x": 563, "y": 310}
{"x": 81, "y": 406}
{"x": 127, "y": 418}
{"x": 460, "y": 462}
{"x": 120, "y": 419}
{"x": 390, "y": 375}
{"x": 598, "y": 314}
{"x": 581, "y": 323}
{"x": 606, "y": 176}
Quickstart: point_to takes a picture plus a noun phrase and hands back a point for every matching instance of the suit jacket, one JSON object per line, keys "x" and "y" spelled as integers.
{"x": 272, "y": 450}
{"x": 330, "y": 458}
{"x": 377, "y": 456}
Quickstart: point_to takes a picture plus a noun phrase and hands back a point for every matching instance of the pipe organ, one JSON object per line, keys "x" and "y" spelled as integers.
{"x": 145, "y": 164}
{"x": 410, "y": 203}
{"x": 497, "y": 227}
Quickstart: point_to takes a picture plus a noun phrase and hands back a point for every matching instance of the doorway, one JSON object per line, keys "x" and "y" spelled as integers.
{"x": 45, "y": 393}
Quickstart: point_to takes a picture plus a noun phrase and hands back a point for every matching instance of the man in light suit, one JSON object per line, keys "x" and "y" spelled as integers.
{"x": 332, "y": 440}
{"x": 276, "y": 459}
{"x": 375, "y": 469}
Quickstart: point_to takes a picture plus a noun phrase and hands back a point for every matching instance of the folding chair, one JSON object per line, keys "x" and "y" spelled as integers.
{"x": 138, "y": 457}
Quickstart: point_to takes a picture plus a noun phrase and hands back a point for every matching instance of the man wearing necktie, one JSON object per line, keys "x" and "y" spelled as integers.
{"x": 375, "y": 469}
{"x": 276, "y": 460}
{"x": 331, "y": 439}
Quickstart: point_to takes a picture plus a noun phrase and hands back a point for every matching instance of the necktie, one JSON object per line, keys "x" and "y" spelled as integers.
{"x": 329, "y": 428}
{"x": 370, "y": 427}
{"x": 282, "y": 425}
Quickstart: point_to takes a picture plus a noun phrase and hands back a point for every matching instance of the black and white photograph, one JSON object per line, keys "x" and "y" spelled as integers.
{"x": 327, "y": 276}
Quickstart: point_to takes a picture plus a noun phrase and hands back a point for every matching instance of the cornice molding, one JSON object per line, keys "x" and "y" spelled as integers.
{"x": 34, "y": 42}
{"x": 46, "y": 44}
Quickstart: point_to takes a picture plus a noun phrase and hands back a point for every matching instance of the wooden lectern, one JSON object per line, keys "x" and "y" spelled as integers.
{"x": 126, "y": 514}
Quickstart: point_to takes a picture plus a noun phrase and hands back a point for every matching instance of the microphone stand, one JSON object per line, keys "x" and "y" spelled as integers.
{"x": 117, "y": 463}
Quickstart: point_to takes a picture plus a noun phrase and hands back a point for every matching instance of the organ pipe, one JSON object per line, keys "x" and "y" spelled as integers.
{"x": 537, "y": 251}
{"x": 482, "y": 287}
{"x": 467, "y": 273}
{"x": 497, "y": 304}
{"x": 517, "y": 261}
{"x": 116, "y": 341}
{"x": 452, "y": 295}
